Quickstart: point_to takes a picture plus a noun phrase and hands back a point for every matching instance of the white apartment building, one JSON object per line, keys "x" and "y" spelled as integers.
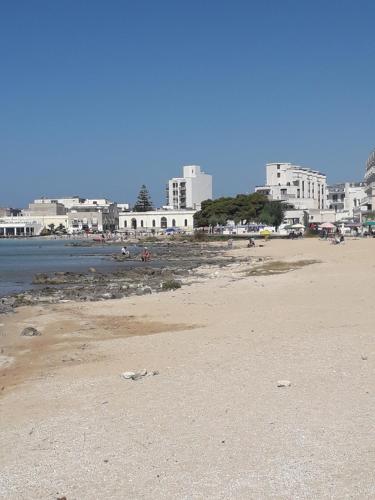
{"x": 301, "y": 187}
{"x": 346, "y": 198}
{"x": 157, "y": 220}
{"x": 369, "y": 202}
{"x": 188, "y": 191}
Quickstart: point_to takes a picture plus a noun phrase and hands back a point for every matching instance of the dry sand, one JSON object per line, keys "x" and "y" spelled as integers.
{"x": 213, "y": 424}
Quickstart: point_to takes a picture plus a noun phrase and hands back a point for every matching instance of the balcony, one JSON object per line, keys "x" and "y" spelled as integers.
{"x": 370, "y": 175}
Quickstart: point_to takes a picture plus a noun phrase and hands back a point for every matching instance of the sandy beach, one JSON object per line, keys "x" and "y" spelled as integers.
{"x": 213, "y": 424}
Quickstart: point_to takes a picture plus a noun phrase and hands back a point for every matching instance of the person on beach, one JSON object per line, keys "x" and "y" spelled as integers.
{"x": 251, "y": 243}
{"x": 146, "y": 255}
{"x": 230, "y": 243}
{"x": 125, "y": 252}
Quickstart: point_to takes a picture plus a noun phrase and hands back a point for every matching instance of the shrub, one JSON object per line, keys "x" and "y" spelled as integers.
{"x": 171, "y": 285}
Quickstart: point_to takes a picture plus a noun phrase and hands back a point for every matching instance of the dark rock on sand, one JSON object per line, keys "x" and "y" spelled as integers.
{"x": 30, "y": 331}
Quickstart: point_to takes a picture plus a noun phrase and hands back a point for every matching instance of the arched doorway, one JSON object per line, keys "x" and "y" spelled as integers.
{"x": 163, "y": 223}
{"x": 134, "y": 223}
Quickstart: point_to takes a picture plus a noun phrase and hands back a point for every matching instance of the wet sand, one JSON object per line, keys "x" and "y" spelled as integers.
{"x": 213, "y": 423}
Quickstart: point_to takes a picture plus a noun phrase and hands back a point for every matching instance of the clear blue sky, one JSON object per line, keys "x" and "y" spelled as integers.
{"x": 98, "y": 97}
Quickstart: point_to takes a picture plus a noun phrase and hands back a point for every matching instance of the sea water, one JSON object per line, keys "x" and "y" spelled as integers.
{"x": 21, "y": 259}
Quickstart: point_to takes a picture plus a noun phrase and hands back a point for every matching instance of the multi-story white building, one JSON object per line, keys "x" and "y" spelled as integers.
{"x": 301, "y": 187}
{"x": 369, "y": 202}
{"x": 190, "y": 190}
{"x": 346, "y": 197}
{"x": 95, "y": 215}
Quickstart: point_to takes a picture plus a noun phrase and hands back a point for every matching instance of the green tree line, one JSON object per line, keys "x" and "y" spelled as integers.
{"x": 243, "y": 208}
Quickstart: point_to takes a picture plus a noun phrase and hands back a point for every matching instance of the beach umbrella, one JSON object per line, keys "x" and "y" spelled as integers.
{"x": 298, "y": 226}
{"x": 265, "y": 232}
{"x": 327, "y": 225}
{"x": 369, "y": 223}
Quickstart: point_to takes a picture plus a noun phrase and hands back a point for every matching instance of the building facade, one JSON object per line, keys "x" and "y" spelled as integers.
{"x": 346, "y": 197}
{"x": 68, "y": 202}
{"x": 31, "y": 225}
{"x": 188, "y": 191}
{"x": 45, "y": 208}
{"x": 157, "y": 220}
{"x": 369, "y": 202}
{"x": 301, "y": 187}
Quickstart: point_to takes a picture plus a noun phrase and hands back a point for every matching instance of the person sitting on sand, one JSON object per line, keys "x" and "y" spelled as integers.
{"x": 125, "y": 252}
{"x": 146, "y": 255}
{"x": 251, "y": 243}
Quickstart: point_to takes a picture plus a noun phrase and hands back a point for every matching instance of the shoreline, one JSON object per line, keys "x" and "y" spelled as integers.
{"x": 120, "y": 277}
{"x": 213, "y": 423}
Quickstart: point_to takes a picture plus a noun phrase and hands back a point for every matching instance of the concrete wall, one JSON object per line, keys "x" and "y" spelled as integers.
{"x": 45, "y": 209}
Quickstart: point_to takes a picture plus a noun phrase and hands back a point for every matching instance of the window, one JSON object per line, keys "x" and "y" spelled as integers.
{"x": 134, "y": 223}
{"x": 278, "y": 166}
{"x": 163, "y": 222}
{"x": 141, "y": 223}
{"x": 288, "y": 183}
{"x": 153, "y": 223}
{"x": 125, "y": 223}
{"x": 185, "y": 222}
{"x": 278, "y": 174}
{"x": 173, "y": 223}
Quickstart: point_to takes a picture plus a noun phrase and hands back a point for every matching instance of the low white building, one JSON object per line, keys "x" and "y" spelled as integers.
{"x": 301, "y": 187}
{"x": 157, "y": 220}
{"x": 81, "y": 214}
{"x": 294, "y": 217}
{"x": 188, "y": 191}
{"x": 31, "y": 225}
{"x": 18, "y": 227}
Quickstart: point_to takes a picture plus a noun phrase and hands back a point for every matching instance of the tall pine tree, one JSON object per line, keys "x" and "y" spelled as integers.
{"x": 144, "y": 202}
